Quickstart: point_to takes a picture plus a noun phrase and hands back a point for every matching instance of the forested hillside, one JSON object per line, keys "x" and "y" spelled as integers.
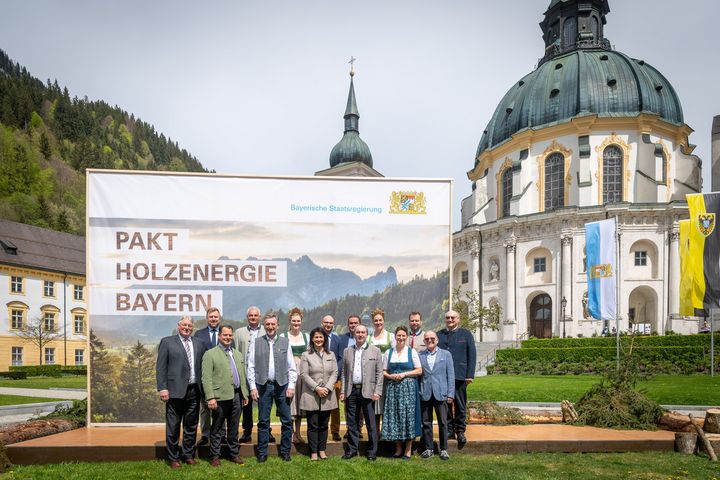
{"x": 48, "y": 139}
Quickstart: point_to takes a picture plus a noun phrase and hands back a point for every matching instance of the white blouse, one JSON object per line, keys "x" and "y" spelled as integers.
{"x": 400, "y": 356}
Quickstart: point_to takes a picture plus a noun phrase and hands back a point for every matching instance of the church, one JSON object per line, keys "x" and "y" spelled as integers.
{"x": 591, "y": 133}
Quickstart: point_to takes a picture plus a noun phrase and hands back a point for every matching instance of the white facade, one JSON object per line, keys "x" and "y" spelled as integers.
{"x": 528, "y": 260}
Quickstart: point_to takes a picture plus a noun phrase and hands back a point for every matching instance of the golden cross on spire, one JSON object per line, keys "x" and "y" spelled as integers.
{"x": 352, "y": 65}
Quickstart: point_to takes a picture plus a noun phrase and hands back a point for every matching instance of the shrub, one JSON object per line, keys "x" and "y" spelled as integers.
{"x": 14, "y": 375}
{"x": 77, "y": 413}
{"x": 39, "y": 370}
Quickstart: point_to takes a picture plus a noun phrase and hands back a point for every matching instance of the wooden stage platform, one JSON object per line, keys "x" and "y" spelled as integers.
{"x": 105, "y": 444}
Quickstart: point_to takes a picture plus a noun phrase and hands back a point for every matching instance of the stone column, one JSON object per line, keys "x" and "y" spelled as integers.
{"x": 567, "y": 283}
{"x": 510, "y": 280}
{"x": 475, "y": 280}
{"x": 674, "y": 277}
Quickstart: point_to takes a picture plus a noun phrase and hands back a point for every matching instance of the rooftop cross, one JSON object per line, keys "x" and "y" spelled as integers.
{"x": 352, "y": 65}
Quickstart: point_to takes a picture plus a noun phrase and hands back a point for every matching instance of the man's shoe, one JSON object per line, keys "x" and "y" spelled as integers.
{"x": 204, "y": 442}
{"x": 285, "y": 457}
{"x": 246, "y": 438}
{"x": 349, "y": 455}
{"x": 444, "y": 455}
{"x": 237, "y": 460}
{"x": 371, "y": 458}
{"x": 175, "y": 465}
{"x": 215, "y": 462}
{"x": 427, "y": 454}
{"x": 461, "y": 439}
{"x": 336, "y": 437}
{"x": 271, "y": 439}
{"x": 190, "y": 461}
{"x": 262, "y": 459}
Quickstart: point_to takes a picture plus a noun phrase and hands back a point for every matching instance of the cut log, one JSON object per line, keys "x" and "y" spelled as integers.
{"x": 705, "y": 442}
{"x": 686, "y": 442}
{"x": 568, "y": 412}
{"x": 712, "y": 421}
{"x": 676, "y": 422}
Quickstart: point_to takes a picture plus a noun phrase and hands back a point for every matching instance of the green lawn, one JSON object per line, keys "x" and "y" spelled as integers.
{"x": 665, "y": 389}
{"x": 18, "y": 400}
{"x": 609, "y": 466}
{"x": 74, "y": 381}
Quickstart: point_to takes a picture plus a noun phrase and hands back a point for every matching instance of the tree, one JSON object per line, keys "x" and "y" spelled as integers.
{"x": 36, "y": 332}
{"x": 138, "y": 399}
{"x": 45, "y": 146}
{"x": 473, "y": 315}
{"x": 103, "y": 381}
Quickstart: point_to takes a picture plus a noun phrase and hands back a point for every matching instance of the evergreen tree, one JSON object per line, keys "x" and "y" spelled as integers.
{"x": 45, "y": 146}
{"x": 138, "y": 400}
{"x": 103, "y": 385}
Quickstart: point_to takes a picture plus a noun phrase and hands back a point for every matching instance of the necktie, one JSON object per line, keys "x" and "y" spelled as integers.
{"x": 186, "y": 343}
{"x": 213, "y": 340}
{"x": 233, "y": 367}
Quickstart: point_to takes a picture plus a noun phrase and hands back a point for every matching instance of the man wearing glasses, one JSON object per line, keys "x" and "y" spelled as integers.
{"x": 437, "y": 390}
{"x": 461, "y": 344}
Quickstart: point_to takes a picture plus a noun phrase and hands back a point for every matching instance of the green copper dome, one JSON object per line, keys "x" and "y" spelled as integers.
{"x": 351, "y": 148}
{"x": 580, "y": 75}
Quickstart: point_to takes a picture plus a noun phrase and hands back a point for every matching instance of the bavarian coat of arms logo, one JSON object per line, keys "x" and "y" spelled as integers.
{"x": 706, "y": 223}
{"x": 408, "y": 203}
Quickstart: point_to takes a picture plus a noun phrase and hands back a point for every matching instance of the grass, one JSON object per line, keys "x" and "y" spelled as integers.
{"x": 644, "y": 466}
{"x": 18, "y": 400}
{"x": 665, "y": 389}
{"x": 74, "y": 381}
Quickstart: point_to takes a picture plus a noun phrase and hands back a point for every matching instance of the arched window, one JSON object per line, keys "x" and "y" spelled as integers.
{"x": 554, "y": 181}
{"x": 569, "y": 32}
{"x": 507, "y": 191}
{"x": 612, "y": 174}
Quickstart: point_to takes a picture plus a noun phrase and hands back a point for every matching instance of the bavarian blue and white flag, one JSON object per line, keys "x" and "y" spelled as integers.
{"x": 600, "y": 249}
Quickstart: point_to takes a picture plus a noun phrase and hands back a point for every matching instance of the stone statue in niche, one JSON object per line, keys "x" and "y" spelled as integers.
{"x": 586, "y": 313}
{"x": 584, "y": 265}
{"x": 494, "y": 270}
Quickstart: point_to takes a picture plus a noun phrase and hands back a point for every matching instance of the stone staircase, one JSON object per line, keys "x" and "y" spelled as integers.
{"x": 486, "y": 352}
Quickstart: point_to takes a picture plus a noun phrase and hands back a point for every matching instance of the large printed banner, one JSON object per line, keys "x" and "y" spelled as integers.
{"x": 161, "y": 246}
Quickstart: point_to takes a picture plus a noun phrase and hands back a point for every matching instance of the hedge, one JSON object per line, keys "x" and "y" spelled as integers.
{"x": 639, "y": 341}
{"x": 14, "y": 375}
{"x": 75, "y": 370}
{"x": 589, "y": 354}
{"x": 39, "y": 370}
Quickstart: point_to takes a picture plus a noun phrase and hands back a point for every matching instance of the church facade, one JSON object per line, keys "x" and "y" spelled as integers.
{"x": 590, "y": 134}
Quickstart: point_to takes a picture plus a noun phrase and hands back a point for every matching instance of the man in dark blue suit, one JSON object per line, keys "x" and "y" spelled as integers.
{"x": 461, "y": 344}
{"x": 178, "y": 375}
{"x": 335, "y": 346}
{"x": 209, "y": 336}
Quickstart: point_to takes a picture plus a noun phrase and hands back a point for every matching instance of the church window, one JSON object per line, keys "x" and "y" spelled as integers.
{"x": 507, "y": 191}
{"x": 16, "y": 319}
{"x": 641, "y": 258}
{"x": 17, "y": 356}
{"x": 16, "y": 284}
{"x": 48, "y": 288}
{"x": 539, "y": 265}
{"x": 554, "y": 181}
{"x": 612, "y": 174}
{"x": 464, "y": 277}
{"x": 49, "y": 356}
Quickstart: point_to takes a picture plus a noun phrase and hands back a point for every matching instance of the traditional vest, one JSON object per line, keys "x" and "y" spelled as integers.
{"x": 262, "y": 355}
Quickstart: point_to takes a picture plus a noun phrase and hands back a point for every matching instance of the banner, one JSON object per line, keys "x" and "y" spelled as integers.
{"x": 703, "y": 253}
{"x": 600, "y": 248}
{"x": 161, "y": 246}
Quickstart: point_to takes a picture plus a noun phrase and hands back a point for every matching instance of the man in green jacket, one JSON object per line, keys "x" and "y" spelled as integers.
{"x": 225, "y": 386}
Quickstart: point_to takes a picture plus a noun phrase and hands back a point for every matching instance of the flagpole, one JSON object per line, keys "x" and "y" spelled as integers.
{"x": 617, "y": 293}
{"x": 712, "y": 342}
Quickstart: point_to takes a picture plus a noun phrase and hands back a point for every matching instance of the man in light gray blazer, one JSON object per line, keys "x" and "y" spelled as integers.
{"x": 361, "y": 385}
{"x": 437, "y": 390}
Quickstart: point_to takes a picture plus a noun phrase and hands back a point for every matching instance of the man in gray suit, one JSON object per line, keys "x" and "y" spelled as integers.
{"x": 361, "y": 385}
{"x": 437, "y": 390}
{"x": 243, "y": 337}
{"x": 178, "y": 377}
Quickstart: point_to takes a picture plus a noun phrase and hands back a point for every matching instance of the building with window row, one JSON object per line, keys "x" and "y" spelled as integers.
{"x": 42, "y": 289}
{"x": 590, "y": 134}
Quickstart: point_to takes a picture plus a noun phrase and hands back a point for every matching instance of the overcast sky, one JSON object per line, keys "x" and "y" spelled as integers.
{"x": 259, "y": 87}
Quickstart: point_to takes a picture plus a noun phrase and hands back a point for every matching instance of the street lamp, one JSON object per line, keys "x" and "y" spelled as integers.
{"x": 563, "y": 302}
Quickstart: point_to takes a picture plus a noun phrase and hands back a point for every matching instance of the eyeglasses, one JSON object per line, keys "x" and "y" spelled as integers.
{"x": 447, "y": 317}
{"x": 431, "y": 339}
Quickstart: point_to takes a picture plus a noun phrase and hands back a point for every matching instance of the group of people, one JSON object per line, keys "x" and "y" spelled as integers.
{"x": 393, "y": 383}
